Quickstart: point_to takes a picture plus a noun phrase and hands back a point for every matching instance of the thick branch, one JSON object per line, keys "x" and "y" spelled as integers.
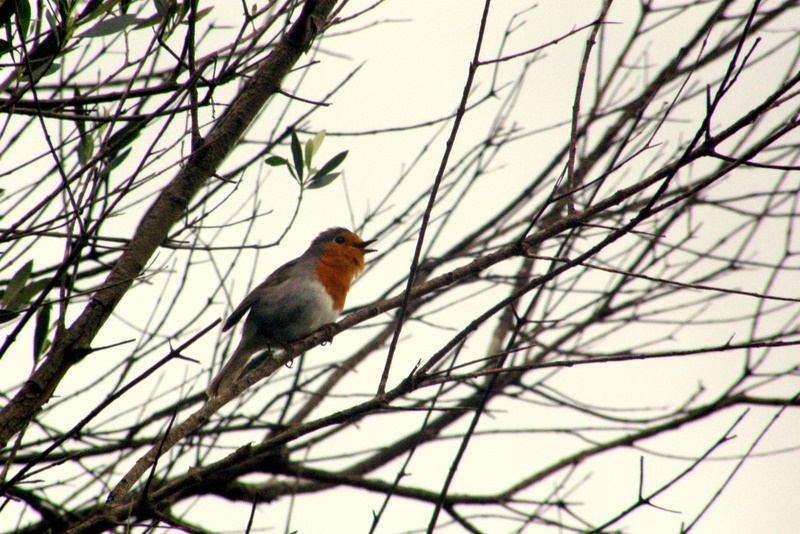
{"x": 75, "y": 342}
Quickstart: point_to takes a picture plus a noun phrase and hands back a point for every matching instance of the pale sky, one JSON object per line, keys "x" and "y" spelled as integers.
{"x": 412, "y": 69}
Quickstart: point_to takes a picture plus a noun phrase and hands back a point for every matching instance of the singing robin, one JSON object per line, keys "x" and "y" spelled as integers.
{"x": 298, "y": 298}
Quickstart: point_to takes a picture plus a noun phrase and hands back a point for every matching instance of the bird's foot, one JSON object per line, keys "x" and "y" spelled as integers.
{"x": 328, "y": 331}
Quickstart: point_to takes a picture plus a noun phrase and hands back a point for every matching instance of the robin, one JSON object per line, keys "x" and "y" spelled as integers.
{"x": 298, "y": 298}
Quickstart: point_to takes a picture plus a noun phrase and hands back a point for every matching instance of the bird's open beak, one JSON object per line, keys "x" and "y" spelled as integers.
{"x": 364, "y": 244}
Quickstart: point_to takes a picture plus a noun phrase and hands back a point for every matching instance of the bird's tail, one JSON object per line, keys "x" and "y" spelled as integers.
{"x": 230, "y": 372}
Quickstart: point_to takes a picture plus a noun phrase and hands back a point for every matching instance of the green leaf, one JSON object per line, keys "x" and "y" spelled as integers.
{"x": 317, "y": 141}
{"x": 297, "y": 155}
{"x": 40, "y": 343}
{"x": 86, "y": 143}
{"x": 31, "y": 290}
{"x": 7, "y": 10}
{"x": 51, "y": 69}
{"x": 201, "y": 13}
{"x": 85, "y": 150}
{"x": 312, "y": 147}
{"x": 53, "y": 23}
{"x": 125, "y": 136}
{"x": 114, "y": 163}
{"x": 276, "y": 161}
{"x": 334, "y": 162}
{"x": 5, "y": 47}
{"x": 309, "y": 155}
{"x": 111, "y": 26}
{"x": 321, "y": 180}
{"x": 16, "y": 285}
{"x": 182, "y": 10}
{"x": 291, "y": 171}
{"x": 23, "y": 16}
{"x": 165, "y": 8}
{"x": 6, "y": 315}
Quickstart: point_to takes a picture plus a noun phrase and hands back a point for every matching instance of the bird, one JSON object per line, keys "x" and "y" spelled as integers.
{"x": 298, "y": 298}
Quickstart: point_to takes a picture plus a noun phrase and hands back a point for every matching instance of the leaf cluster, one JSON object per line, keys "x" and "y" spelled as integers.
{"x": 302, "y": 169}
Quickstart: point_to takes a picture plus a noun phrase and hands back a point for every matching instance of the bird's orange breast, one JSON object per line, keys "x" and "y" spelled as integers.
{"x": 336, "y": 270}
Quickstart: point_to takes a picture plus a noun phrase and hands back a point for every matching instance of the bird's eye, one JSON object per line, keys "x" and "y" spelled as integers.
{"x": 339, "y": 240}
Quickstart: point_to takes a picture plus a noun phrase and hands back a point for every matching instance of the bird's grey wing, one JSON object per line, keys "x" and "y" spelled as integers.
{"x": 275, "y": 279}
